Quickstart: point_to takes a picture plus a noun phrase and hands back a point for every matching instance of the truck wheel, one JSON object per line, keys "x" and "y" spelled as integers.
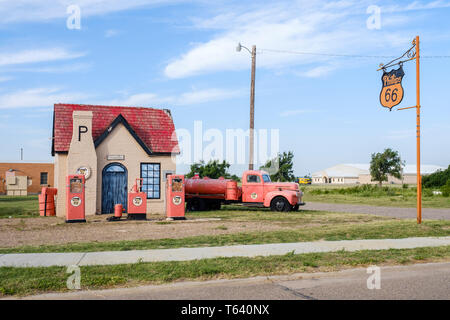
{"x": 280, "y": 204}
{"x": 215, "y": 205}
{"x": 201, "y": 205}
{"x": 196, "y": 204}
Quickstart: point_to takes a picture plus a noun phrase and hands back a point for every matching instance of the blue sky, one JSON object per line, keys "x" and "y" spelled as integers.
{"x": 181, "y": 55}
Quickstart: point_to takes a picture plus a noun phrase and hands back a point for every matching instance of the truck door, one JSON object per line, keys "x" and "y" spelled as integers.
{"x": 253, "y": 188}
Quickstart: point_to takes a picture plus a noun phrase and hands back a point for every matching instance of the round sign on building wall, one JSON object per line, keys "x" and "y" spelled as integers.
{"x": 84, "y": 170}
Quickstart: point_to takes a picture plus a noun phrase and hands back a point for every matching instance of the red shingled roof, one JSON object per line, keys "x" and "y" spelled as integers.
{"x": 153, "y": 126}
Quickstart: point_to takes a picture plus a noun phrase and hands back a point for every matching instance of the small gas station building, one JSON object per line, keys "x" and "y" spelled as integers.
{"x": 113, "y": 146}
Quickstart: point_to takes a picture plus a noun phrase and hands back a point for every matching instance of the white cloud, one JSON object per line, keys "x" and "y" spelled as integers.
{"x": 318, "y": 71}
{"x": 38, "y": 97}
{"x": 111, "y": 33}
{"x": 303, "y": 26}
{"x": 67, "y": 68}
{"x": 140, "y": 99}
{"x": 4, "y": 79}
{"x": 193, "y": 97}
{"x": 416, "y": 5}
{"x": 289, "y": 113}
{"x": 208, "y": 95}
{"x": 42, "y": 10}
{"x": 37, "y": 55}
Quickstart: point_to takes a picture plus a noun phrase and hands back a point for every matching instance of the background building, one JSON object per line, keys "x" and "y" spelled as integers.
{"x": 20, "y": 178}
{"x": 360, "y": 174}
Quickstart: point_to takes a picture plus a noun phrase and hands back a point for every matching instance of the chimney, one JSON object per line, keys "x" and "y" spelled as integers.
{"x": 82, "y": 155}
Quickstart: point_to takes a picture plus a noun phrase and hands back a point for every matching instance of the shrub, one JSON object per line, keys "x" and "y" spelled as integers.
{"x": 446, "y": 189}
{"x": 437, "y": 179}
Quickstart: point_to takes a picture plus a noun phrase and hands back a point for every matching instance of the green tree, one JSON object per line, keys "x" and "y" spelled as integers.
{"x": 213, "y": 169}
{"x": 384, "y": 164}
{"x": 280, "y": 168}
{"x": 446, "y": 189}
{"x": 437, "y": 179}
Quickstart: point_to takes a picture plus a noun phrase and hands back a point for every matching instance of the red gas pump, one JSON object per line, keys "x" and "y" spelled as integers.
{"x": 137, "y": 202}
{"x": 75, "y": 199}
{"x": 175, "y": 197}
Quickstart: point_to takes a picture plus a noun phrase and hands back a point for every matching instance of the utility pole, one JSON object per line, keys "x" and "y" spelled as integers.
{"x": 252, "y": 104}
{"x": 414, "y": 56}
{"x": 252, "y": 109}
{"x": 419, "y": 178}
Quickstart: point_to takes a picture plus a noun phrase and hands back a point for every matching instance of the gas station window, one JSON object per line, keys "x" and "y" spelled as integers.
{"x": 151, "y": 180}
{"x": 44, "y": 177}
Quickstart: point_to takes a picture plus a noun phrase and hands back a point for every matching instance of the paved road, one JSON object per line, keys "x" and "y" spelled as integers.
{"x": 420, "y": 281}
{"x": 405, "y": 213}
{"x": 185, "y": 254}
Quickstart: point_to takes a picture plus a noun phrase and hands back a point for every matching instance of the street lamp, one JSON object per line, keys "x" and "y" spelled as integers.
{"x": 252, "y": 101}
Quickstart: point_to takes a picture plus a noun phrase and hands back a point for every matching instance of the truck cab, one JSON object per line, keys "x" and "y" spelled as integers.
{"x": 259, "y": 190}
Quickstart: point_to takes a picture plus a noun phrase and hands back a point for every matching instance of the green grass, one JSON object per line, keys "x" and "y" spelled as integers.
{"x": 19, "y": 206}
{"x": 393, "y": 195}
{"x": 377, "y": 229}
{"x": 26, "y": 281}
{"x": 301, "y": 217}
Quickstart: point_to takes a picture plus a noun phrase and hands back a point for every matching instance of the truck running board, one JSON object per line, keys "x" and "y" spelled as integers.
{"x": 253, "y": 204}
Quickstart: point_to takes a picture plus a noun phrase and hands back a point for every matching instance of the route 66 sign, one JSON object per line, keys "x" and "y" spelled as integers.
{"x": 392, "y": 90}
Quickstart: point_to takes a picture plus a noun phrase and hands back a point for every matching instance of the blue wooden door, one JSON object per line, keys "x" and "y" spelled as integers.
{"x": 114, "y": 187}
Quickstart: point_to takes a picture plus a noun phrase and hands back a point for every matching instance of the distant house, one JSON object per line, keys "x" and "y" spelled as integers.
{"x": 22, "y": 178}
{"x": 113, "y": 146}
{"x": 360, "y": 174}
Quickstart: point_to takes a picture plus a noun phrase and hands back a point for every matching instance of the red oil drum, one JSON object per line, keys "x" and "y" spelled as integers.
{"x": 118, "y": 209}
{"x": 232, "y": 190}
{"x": 47, "y": 202}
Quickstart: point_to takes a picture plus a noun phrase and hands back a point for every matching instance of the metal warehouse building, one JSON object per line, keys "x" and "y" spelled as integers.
{"x": 360, "y": 174}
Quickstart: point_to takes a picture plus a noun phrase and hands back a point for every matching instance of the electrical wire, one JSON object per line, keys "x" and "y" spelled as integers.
{"x": 346, "y": 55}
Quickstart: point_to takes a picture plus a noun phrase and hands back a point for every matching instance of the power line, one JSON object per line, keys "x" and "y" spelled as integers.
{"x": 345, "y": 55}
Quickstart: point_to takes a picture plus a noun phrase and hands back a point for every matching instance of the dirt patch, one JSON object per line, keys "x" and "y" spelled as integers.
{"x": 53, "y": 230}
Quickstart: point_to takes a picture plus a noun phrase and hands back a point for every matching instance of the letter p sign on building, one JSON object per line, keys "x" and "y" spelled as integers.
{"x": 392, "y": 90}
{"x": 81, "y": 129}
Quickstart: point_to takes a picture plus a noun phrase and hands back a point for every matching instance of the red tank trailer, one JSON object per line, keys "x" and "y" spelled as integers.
{"x": 257, "y": 190}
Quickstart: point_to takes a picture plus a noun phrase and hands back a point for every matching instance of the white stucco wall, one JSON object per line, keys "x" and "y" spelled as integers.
{"x": 121, "y": 142}
{"x": 118, "y": 142}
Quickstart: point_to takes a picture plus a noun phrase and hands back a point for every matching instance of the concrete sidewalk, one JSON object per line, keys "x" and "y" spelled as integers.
{"x": 185, "y": 254}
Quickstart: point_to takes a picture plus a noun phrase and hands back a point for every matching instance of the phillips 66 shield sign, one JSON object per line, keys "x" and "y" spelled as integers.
{"x": 392, "y": 90}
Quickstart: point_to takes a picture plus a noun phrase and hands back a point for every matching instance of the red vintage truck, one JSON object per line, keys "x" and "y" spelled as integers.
{"x": 257, "y": 191}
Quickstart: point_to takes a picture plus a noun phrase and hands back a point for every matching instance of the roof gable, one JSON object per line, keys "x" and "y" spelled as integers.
{"x": 153, "y": 127}
{"x": 121, "y": 120}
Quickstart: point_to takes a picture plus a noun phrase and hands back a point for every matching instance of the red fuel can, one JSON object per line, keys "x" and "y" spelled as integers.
{"x": 118, "y": 209}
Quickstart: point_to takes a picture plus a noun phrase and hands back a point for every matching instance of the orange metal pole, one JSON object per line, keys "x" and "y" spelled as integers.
{"x": 419, "y": 178}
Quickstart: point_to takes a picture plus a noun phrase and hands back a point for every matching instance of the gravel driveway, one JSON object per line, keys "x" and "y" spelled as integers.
{"x": 405, "y": 213}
